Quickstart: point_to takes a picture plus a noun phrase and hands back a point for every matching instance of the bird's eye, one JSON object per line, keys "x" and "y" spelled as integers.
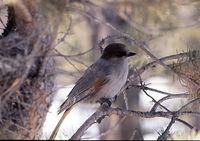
{"x": 121, "y": 54}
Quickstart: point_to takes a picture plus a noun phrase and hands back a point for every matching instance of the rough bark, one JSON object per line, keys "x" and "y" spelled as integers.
{"x": 26, "y": 82}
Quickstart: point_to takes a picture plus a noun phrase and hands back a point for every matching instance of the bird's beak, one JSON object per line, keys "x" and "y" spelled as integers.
{"x": 131, "y": 54}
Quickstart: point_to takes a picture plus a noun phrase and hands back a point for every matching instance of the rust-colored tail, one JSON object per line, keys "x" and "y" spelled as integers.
{"x": 55, "y": 131}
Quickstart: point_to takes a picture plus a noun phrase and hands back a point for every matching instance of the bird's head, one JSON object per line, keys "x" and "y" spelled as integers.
{"x": 116, "y": 50}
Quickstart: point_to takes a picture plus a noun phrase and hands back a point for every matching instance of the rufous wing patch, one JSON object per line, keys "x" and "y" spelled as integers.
{"x": 97, "y": 85}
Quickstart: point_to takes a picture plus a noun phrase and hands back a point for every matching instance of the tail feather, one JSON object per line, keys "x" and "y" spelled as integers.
{"x": 56, "y": 129}
{"x": 65, "y": 105}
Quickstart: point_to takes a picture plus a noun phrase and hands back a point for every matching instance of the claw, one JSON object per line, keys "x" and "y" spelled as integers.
{"x": 104, "y": 102}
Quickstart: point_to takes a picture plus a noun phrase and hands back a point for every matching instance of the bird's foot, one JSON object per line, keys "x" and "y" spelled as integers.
{"x": 105, "y": 102}
{"x": 100, "y": 119}
{"x": 115, "y": 98}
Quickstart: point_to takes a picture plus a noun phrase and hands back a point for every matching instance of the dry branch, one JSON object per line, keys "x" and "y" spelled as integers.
{"x": 101, "y": 113}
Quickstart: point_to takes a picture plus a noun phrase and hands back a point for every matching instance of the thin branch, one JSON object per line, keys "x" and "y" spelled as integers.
{"x": 156, "y": 102}
{"x": 125, "y": 100}
{"x": 190, "y": 112}
{"x": 185, "y": 123}
{"x": 153, "y": 109}
{"x": 163, "y": 59}
{"x": 166, "y": 132}
{"x": 62, "y": 39}
{"x": 69, "y": 56}
{"x": 73, "y": 55}
{"x": 190, "y": 102}
{"x": 68, "y": 61}
{"x": 155, "y": 90}
{"x": 80, "y": 62}
{"x": 141, "y": 83}
{"x": 2, "y": 24}
{"x": 134, "y": 133}
{"x": 173, "y": 119}
{"x": 109, "y": 130}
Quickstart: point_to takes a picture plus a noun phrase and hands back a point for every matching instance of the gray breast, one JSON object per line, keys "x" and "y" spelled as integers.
{"x": 117, "y": 79}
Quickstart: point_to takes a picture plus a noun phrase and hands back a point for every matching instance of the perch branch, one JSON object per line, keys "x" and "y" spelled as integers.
{"x": 106, "y": 112}
{"x": 118, "y": 111}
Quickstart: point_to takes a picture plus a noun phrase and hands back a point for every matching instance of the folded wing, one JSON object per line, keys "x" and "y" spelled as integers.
{"x": 87, "y": 86}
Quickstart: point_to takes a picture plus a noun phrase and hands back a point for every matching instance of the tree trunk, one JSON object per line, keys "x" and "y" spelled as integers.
{"x": 25, "y": 72}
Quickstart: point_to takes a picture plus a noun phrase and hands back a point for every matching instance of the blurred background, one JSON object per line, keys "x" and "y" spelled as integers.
{"x": 84, "y": 27}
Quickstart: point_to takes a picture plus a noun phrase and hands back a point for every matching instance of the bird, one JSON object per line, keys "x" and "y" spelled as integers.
{"x": 100, "y": 82}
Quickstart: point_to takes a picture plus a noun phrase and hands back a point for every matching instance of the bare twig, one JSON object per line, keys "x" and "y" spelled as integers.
{"x": 134, "y": 133}
{"x": 73, "y": 55}
{"x": 166, "y": 132}
{"x": 4, "y": 26}
{"x": 125, "y": 100}
{"x": 67, "y": 59}
{"x": 155, "y": 90}
{"x": 173, "y": 119}
{"x": 190, "y": 102}
{"x": 62, "y": 39}
{"x": 110, "y": 129}
{"x": 185, "y": 123}
{"x": 156, "y": 101}
{"x": 153, "y": 109}
{"x": 80, "y": 62}
{"x": 141, "y": 83}
{"x": 190, "y": 112}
